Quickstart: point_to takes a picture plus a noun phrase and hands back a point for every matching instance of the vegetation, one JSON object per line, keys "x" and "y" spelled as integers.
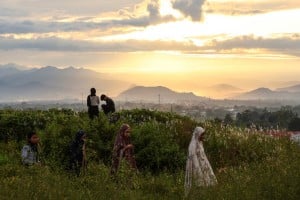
{"x": 247, "y": 165}
{"x": 285, "y": 118}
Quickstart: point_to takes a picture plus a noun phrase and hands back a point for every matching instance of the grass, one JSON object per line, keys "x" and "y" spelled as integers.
{"x": 276, "y": 178}
{"x": 43, "y": 183}
{"x": 247, "y": 165}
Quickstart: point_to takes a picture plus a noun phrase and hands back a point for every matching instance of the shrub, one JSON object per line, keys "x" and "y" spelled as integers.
{"x": 156, "y": 148}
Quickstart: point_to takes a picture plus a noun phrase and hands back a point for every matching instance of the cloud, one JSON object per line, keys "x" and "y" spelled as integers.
{"x": 58, "y": 44}
{"x": 7, "y": 12}
{"x": 238, "y": 7}
{"x": 289, "y": 45}
{"x": 67, "y": 7}
{"x": 235, "y": 11}
{"x": 29, "y": 26}
{"x": 151, "y": 17}
{"x": 153, "y": 9}
{"x": 189, "y": 8}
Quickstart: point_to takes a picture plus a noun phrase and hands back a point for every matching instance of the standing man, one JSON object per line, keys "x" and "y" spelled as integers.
{"x": 109, "y": 107}
{"x": 93, "y": 104}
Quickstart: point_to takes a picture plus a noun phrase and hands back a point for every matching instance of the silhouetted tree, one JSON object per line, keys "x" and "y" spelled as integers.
{"x": 294, "y": 124}
{"x": 228, "y": 119}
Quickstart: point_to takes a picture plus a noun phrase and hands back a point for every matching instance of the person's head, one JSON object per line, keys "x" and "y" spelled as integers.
{"x": 80, "y": 135}
{"x": 125, "y": 130}
{"x": 93, "y": 91}
{"x": 199, "y": 133}
{"x": 103, "y": 97}
{"x": 33, "y": 138}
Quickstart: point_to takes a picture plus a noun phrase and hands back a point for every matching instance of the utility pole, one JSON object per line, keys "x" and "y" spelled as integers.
{"x": 158, "y": 99}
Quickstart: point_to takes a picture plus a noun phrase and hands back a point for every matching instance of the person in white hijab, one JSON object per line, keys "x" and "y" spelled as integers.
{"x": 198, "y": 169}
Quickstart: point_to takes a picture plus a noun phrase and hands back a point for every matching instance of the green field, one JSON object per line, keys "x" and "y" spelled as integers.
{"x": 247, "y": 165}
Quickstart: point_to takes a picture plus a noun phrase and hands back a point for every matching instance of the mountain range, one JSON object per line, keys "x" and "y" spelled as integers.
{"x": 51, "y": 83}
{"x": 20, "y": 83}
{"x": 282, "y": 94}
{"x": 294, "y": 88}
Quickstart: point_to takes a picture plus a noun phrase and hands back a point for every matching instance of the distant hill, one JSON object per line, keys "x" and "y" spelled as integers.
{"x": 10, "y": 69}
{"x": 294, "y": 88}
{"x": 267, "y": 94}
{"x": 222, "y": 90}
{"x": 158, "y": 94}
{"x": 55, "y": 84}
{"x": 225, "y": 87}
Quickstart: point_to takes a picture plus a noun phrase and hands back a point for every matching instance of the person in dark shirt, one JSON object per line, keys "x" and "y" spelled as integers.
{"x": 77, "y": 153}
{"x": 109, "y": 107}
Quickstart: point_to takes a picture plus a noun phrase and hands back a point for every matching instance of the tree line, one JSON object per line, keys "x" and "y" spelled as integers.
{"x": 284, "y": 119}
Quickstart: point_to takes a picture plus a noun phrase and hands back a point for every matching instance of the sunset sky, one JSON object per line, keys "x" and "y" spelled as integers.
{"x": 187, "y": 45}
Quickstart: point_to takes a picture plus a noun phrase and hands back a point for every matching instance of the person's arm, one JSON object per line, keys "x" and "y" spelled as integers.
{"x": 119, "y": 144}
{"x": 98, "y": 100}
{"x": 128, "y": 146}
{"x": 88, "y": 101}
{"x": 84, "y": 159}
{"x": 111, "y": 105}
{"x": 25, "y": 154}
{"x": 119, "y": 147}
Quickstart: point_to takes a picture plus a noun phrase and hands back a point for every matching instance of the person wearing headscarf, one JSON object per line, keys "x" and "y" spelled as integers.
{"x": 198, "y": 169}
{"x": 30, "y": 154}
{"x": 78, "y": 153}
{"x": 123, "y": 148}
{"x": 93, "y": 102}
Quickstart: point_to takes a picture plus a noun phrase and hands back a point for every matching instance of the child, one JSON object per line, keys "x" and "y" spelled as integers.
{"x": 30, "y": 151}
{"x": 78, "y": 153}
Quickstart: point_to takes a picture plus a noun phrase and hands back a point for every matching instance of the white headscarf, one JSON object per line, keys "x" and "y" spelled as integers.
{"x": 198, "y": 169}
